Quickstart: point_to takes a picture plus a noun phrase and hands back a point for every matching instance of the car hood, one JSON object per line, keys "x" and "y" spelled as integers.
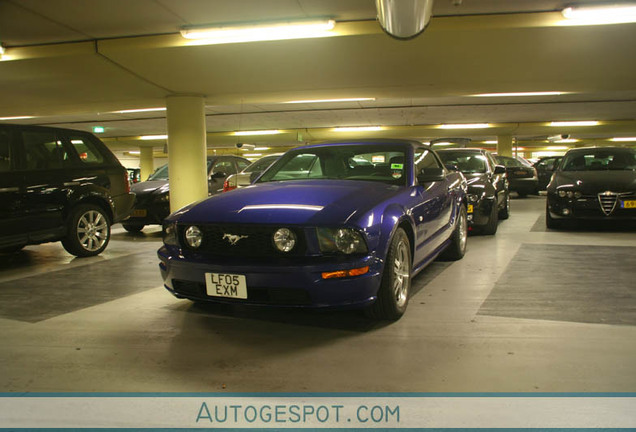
{"x": 593, "y": 182}
{"x": 150, "y": 186}
{"x": 316, "y": 202}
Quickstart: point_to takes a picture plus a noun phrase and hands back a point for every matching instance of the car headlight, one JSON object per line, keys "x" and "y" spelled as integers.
{"x": 193, "y": 236}
{"x": 343, "y": 240}
{"x": 569, "y": 194}
{"x": 284, "y": 239}
{"x": 164, "y": 197}
{"x": 170, "y": 234}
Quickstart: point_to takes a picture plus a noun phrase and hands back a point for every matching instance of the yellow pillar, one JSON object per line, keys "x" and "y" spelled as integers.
{"x": 186, "y": 150}
{"x": 504, "y": 145}
{"x": 146, "y": 162}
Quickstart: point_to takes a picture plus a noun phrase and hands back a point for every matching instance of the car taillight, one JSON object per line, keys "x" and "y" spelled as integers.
{"x": 127, "y": 182}
{"x": 229, "y": 185}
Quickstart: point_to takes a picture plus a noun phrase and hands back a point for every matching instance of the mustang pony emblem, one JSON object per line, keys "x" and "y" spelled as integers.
{"x": 233, "y": 238}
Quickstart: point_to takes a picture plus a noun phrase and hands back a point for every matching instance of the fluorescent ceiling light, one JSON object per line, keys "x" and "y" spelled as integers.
{"x": 253, "y": 154}
{"x": 543, "y": 93}
{"x": 17, "y": 118}
{"x": 566, "y": 141}
{"x": 134, "y": 152}
{"x": 330, "y": 100}
{"x": 139, "y": 110}
{"x": 443, "y": 143}
{"x": 257, "y": 132}
{"x": 623, "y": 139}
{"x": 573, "y": 123}
{"x": 358, "y": 129}
{"x": 489, "y": 142}
{"x": 259, "y": 32}
{"x": 261, "y": 148}
{"x": 600, "y": 14}
{"x": 153, "y": 137}
{"x": 465, "y": 126}
{"x": 557, "y": 147}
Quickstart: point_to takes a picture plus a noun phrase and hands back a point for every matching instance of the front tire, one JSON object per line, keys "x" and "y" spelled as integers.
{"x": 491, "y": 227}
{"x": 393, "y": 295}
{"x": 457, "y": 247}
{"x": 504, "y": 213}
{"x": 88, "y": 231}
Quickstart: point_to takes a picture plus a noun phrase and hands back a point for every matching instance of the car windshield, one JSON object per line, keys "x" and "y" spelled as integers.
{"x": 468, "y": 162}
{"x": 161, "y": 173}
{"x": 600, "y": 159}
{"x": 368, "y": 162}
{"x": 509, "y": 162}
{"x": 261, "y": 164}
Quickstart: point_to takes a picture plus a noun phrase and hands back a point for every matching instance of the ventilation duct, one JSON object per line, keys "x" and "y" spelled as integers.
{"x": 404, "y": 19}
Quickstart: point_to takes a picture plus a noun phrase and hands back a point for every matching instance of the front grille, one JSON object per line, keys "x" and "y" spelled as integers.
{"x": 253, "y": 240}
{"x": 257, "y": 295}
{"x": 608, "y": 202}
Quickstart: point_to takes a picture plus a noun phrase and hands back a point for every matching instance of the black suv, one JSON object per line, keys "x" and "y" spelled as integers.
{"x": 59, "y": 184}
{"x": 152, "y": 201}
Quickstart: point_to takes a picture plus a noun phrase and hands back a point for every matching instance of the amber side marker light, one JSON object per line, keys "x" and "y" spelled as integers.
{"x": 345, "y": 273}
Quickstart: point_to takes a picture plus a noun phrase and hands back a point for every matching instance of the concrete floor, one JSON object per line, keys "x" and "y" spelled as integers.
{"x": 106, "y": 324}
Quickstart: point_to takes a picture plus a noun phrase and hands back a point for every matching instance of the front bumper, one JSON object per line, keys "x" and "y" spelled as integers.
{"x": 122, "y": 206}
{"x": 149, "y": 213}
{"x": 587, "y": 208}
{"x": 480, "y": 214}
{"x": 288, "y": 284}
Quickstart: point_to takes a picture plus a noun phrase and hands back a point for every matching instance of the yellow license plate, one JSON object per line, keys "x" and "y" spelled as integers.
{"x": 470, "y": 208}
{"x": 628, "y": 204}
{"x": 139, "y": 213}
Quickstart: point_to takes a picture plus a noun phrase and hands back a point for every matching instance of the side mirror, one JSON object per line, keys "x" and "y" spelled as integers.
{"x": 500, "y": 169}
{"x": 428, "y": 175}
{"x": 217, "y": 175}
{"x": 451, "y": 167}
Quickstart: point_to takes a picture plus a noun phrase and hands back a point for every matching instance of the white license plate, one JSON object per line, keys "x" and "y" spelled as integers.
{"x": 226, "y": 285}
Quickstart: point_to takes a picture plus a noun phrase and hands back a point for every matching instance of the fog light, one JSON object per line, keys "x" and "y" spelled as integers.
{"x": 566, "y": 212}
{"x": 284, "y": 239}
{"x": 193, "y": 236}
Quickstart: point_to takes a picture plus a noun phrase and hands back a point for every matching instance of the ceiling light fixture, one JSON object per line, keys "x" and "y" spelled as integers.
{"x": 16, "y": 118}
{"x": 139, "y": 110}
{"x": 358, "y": 129}
{"x": 489, "y": 142}
{"x": 210, "y": 35}
{"x": 617, "y": 13}
{"x": 261, "y": 148}
{"x": 153, "y": 137}
{"x": 253, "y": 154}
{"x": 557, "y": 147}
{"x": 443, "y": 143}
{"x": 465, "y": 126}
{"x": 329, "y": 100}
{"x": 520, "y": 94}
{"x": 573, "y": 123}
{"x": 623, "y": 139}
{"x": 566, "y": 141}
{"x": 257, "y": 132}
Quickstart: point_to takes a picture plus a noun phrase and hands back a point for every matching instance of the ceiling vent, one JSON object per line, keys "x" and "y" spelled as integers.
{"x": 404, "y": 19}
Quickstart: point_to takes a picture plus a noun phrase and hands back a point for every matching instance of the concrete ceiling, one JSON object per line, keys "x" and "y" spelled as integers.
{"x": 72, "y": 63}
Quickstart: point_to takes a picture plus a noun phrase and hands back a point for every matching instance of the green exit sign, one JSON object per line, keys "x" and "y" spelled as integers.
{"x": 98, "y": 129}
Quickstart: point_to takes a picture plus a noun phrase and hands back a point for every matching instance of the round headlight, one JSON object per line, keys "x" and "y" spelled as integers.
{"x": 284, "y": 239}
{"x": 562, "y": 193}
{"x": 473, "y": 198}
{"x": 193, "y": 236}
{"x": 347, "y": 240}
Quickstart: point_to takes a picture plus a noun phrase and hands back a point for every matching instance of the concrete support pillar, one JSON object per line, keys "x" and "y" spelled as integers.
{"x": 146, "y": 162}
{"x": 186, "y": 150}
{"x": 504, "y": 145}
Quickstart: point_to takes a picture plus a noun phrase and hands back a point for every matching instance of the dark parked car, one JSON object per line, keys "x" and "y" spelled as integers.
{"x": 320, "y": 229}
{"x": 545, "y": 166}
{"x": 59, "y": 184}
{"x": 152, "y": 202}
{"x": 522, "y": 177}
{"x": 593, "y": 183}
{"x": 250, "y": 173}
{"x": 488, "y": 195}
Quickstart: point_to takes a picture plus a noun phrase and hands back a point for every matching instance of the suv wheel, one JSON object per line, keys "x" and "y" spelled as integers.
{"x": 88, "y": 231}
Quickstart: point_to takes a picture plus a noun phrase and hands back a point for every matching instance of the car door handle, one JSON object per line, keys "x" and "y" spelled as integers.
{"x": 71, "y": 183}
{"x": 10, "y": 189}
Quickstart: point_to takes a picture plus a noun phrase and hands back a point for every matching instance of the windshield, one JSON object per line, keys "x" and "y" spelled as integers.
{"x": 369, "y": 162}
{"x": 509, "y": 162}
{"x": 161, "y": 173}
{"x": 261, "y": 164}
{"x": 600, "y": 159}
{"x": 468, "y": 162}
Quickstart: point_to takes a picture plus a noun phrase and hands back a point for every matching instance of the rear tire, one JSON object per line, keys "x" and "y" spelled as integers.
{"x": 457, "y": 247}
{"x": 133, "y": 228}
{"x": 393, "y": 295}
{"x": 88, "y": 231}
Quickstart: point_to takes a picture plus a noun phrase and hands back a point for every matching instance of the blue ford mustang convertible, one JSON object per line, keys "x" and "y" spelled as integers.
{"x": 332, "y": 225}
